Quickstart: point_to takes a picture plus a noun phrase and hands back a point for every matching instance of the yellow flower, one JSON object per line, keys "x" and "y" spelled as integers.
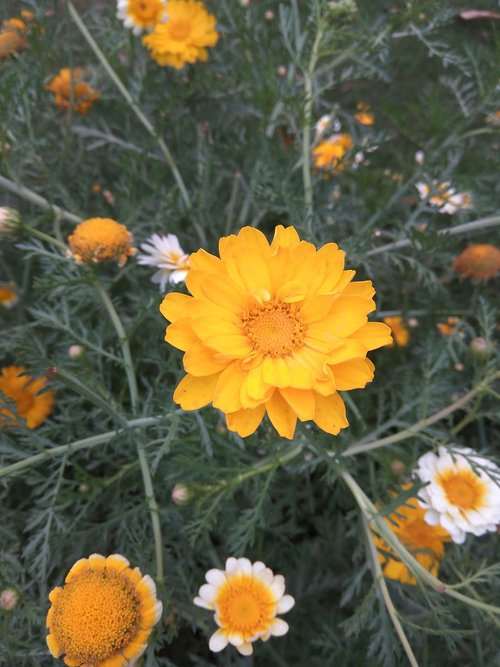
{"x": 399, "y": 331}
{"x": 103, "y": 615}
{"x": 98, "y": 239}
{"x": 448, "y": 327}
{"x": 185, "y": 35}
{"x": 424, "y": 542}
{"x": 246, "y": 598}
{"x": 329, "y": 154}
{"x": 8, "y": 296}
{"x": 11, "y": 42}
{"x": 83, "y": 95}
{"x": 14, "y": 24}
{"x": 479, "y": 261}
{"x": 31, "y": 405}
{"x": 274, "y": 328}
{"x": 364, "y": 115}
{"x": 139, "y": 15}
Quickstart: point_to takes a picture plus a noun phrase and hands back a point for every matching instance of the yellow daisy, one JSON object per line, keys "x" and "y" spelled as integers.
{"x": 274, "y": 328}
{"x": 425, "y": 542}
{"x": 364, "y": 114}
{"x": 103, "y": 615}
{"x": 329, "y": 155}
{"x": 23, "y": 389}
{"x": 399, "y": 331}
{"x": 98, "y": 239}
{"x": 139, "y": 15}
{"x": 246, "y": 597}
{"x": 185, "y": 36}
{"x": 69, "y": 81}
{"x": 8, "y": 296}
{"x": 480, "y": 261}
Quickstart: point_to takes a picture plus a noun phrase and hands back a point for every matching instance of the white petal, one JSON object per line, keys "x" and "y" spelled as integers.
{"x": 285, "y": 604}
{"x": 235, "y": 638}
{"x": 278, "y": 586}
{"x": 215, "y": 577}
{"x": 245, "y": 565}
{"x": 231, "y": 565}
{"x": 245, "y": 649}
{"x": 431, "y": 517}
{"x": 279, "y": 627}
{"x": 218, "y": 641}
{"x": 258, "y": 566}
{"x": 201, "y": 603}
{"x": 208, "y": 593}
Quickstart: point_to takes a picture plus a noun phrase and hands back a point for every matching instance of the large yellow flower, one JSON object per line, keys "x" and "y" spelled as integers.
{"x": 425, "y": 542}
{"x": 274, "y": 328}
{"x": 185, "y": 36}
{"x": 103, "y": 615}
{"x": 24, "y": 390}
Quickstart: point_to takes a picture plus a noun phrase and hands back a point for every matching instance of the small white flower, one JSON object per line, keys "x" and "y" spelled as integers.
{"x": 322, "y": 125}
{"x": 140, "y": 15}
{"x": 245, "y": 597}
{"x": 10, "y": 222}
{"x": 462, "y": 492}
{"x": 443, "y": 197}
{"x": 166, "y": 254}
{"x": 419, "y": 157}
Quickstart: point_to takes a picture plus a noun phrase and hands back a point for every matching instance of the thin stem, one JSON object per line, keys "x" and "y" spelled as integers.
{"x": 38, "y": 234}
{"x": 122, "y": 336}
{"x": 378, "y": 576}
{"x": 421, "y": 424}
{"x": 131, "y": 102}
{"x": 34, "y": 198}
{"x": 76, "y": 446}
{"x": 482, "y": 223}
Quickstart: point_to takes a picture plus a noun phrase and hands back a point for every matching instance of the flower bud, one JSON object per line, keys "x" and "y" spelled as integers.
{"x": 181, "y": 494}
{"x": 10, "y": 222}
{"x": 8, "y": 599}
{"x": 269, "y": 15}
{"x": 398, "y": 467}
{"x": 75, "y": 351}
{"x": 480, "y": 348}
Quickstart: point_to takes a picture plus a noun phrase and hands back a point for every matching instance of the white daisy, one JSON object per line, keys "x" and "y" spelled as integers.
{"x": 246, "y": 598}
{"x": 462, "y": 492}
{"x": 443, "y": 197}
{"x": 166, "y": 254}
{"x": 140, "y": 15}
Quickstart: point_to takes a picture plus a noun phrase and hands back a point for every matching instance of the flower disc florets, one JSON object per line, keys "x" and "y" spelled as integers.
{"x": 274, "y": 328}
{"x": 98, "y": 239}
{"x": 246, "y": 598}
{"x": 462, "y": 492}
{"x": 103, "y": 615}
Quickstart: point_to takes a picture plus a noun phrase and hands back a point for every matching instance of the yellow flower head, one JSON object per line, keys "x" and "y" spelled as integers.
{"x": 364, "y": 115}
{"x": 14, "y": 24}
{"x": 274, "y": 328}
{"x": 479, "y": 261}
{"x": 30, "y": 405}
{"x": 139, "y": 15}
{"x": 103, "y": 615}
{"x": 399, "y": 331}
{"x": 185, "y": 36}
{"x": 246, "y": 598}
{"x": 424, "y": 542}
{"x": 448, "y": 327}
{"x": 83, "y": 95}
{"x": 11, "y": 42}
{"x": 329, "y": 154}
{"x": 98, "y": 239}
{"x": 8, "y": 296}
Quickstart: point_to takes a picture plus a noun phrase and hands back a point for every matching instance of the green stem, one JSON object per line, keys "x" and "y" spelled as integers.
{"x": 86, "y": 443}
{"x": 36, "y": 199}
{"x": 420, "y": 425}
{"x": 482, "y": 223}
{"x": 131, "y": 102}
{"x": 32, "y": 231}
{"x": 379, "y": 578}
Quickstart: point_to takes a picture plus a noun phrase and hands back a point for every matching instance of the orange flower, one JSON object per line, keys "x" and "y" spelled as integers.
{"x": 399, "y": 331}
{"x": 14, "y": 24}
{"x": 83, "y": 95}
{"x": 329, "y": 154}
{"x": 11, "y": 42}
{"x": 98, "y": 239}
{"x": 425, "y": 542}
{"x": 364, "y": 115}
{"x": 24, "y": 390}
{"x": 479, "y": 262}
{"x": 8, "y": 296}
{"x": 448, "y": 327}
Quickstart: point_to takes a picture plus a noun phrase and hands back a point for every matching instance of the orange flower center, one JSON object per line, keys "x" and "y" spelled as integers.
{"x": 95, "y": 616}
{"x": 245, "y": 605}
{"x": 179, "y": 29}
{"x": 274, "y": 328}
{"x": 463, "y": 489}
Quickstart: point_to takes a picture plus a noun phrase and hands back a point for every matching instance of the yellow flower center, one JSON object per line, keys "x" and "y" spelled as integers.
{"x": 274, "y": 328}
{"x": 95, "y": 616}
{"x": 463, "y": 489}
{"x": 145, "y": 12}
{"x": 179, "y": 29}
{"x": 245, "y": 606}
{"x": 97, "y": 239}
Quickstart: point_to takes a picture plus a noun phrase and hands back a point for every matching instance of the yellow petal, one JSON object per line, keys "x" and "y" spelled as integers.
{"x": 222, "y": 291}
{"x": 227, "y": 389}
{"x": 330, "y": 414}
{"x": 205, "y": 327}
{"x": 175, "y": 306}
{"x": 114, "y": 661}
{"x": 193, "y": 393}
{"x": 275, "y": 372}
{"x": 353, "y": 374}
{"x": 254, "y": 386}
{"x": 116, "y": 562}
{"x": 54, "y": 646}
{"x": 134, "y": 650}
{"x": 350, "y": 349}
{"x": 78, "y": 567}
{"x": 180, "y": 334}
{"x": 373, "y": 335}
{"x": 285, "y": 237}
{"x": 204, "y": 261}
{"x": 55, "y": 593}
{"x": 345, "y": 321}
{"x": 282, "y": 417}
{"x": 301, "y": 401}
{"x": 360, "y": 288}
{"x": 334, "y": 259}
{"x": 315, "y": 308}
{"x": 72, "y": 662}
{"x": 200, "y": 361}
{"x": 245, "y": 422}
{"x": 247, "y": 261}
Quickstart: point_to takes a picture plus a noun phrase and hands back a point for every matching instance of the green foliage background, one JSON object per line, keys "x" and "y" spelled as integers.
{"x": 431, "y": 80}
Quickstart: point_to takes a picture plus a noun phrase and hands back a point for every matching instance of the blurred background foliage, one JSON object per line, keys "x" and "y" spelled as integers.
{"x": 235, "y": 126}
